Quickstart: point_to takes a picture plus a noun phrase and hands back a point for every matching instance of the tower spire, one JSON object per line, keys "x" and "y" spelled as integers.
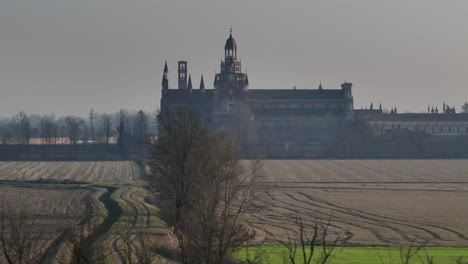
{"x": 165, "y": 80}
{"x": 202, "y": 84}
{"x": 190, "y": 88}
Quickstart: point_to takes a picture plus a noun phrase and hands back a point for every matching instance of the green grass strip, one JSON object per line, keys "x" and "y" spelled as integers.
{"x": 275, "y": 254}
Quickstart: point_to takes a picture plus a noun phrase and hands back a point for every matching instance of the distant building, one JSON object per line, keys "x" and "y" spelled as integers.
{"x": 305, "y": 122}
{"x": 445, "y": 123}
{"x": 259, "y": 115}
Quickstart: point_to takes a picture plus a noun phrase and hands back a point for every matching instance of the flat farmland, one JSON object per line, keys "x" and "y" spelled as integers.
{"x": 86, "y": 171}
{"x": 366, "y": 170}
{"x": 368, "y": 214}
{"x": 370, "y": 202}
{"x": 52, "y": 210}
{"x": 61, "y": 203}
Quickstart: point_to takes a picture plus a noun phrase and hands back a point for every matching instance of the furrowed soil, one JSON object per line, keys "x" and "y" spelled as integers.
{"x": 53, "y": 209}
{"x": 85, "y": 171}
{"x": 369, "y": 202}
{"x": 408, "y": 170}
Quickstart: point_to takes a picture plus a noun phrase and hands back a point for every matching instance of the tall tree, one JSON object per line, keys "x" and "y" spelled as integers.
{"x": 48, "y": 131}
{"x": 106, "y": 127}
{"x": 7, "y": 135}
{"x": 21, "y": 127}
{"x": 22, "y": 241}
{"x": 85, "y": 133}
{"x": 203, "y": 187}
{"x": 465, "y": 107}
{"x": 140, "y": 134}
{"x": 91, "y": 125}
{"x": 122, "y": 131}
{"x": 73, "y": 128}
{"x": 141, "y": 127}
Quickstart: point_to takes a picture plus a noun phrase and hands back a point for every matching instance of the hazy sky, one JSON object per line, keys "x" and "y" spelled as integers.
{"x": 67, "y": 56}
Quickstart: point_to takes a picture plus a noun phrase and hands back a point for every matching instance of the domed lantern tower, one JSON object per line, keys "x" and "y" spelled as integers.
{"x": 231, "y": 76}
{"x": 231, "y": 85}
{"x": 230, "y": 49}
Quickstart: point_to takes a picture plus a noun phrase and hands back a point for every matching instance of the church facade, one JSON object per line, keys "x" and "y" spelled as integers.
{"x": 260, "y": 116}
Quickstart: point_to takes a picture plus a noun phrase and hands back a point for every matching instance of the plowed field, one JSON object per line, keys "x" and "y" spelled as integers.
{"x": 366, "y": 170}
{"x": 86, "y": 171}
{"x": 369, "y": 214}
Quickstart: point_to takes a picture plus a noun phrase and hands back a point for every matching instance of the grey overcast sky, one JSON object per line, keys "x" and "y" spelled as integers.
{"x": 67, "y": 56}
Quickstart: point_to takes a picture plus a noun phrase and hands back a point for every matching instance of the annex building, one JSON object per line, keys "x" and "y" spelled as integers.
{"x": 444, "y": 123}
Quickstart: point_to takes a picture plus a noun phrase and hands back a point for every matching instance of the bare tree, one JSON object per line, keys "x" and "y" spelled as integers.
{"x": 91, "y": 125}
{"x": 106, "y": 127}
{"x": 465, "y": 108}
{"x": 7, "y": 135}
{"x": 141, "y": 127}
{"x": 73, "y": 128}
{"x": 85, "y": 133}
{"x": 137, "y": 245}
{"x": 410, "y": 253}
{"x": 140, "y": 134}
{"x": 21, "y": 240}
{"x": 122, "y": 131}
{"x": 203, "y": 187}
{"x": 82, "y": 248}
{"x": 21, "y": 127}
{"x": 305, "y": 246}
{"x": 48, "y": 131}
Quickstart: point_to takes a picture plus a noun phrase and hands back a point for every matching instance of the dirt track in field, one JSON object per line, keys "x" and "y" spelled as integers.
{"x": 372, "y": 202}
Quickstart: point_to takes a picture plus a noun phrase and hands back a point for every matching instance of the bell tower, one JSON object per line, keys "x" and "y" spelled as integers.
{"x": 230, "y": 49}
{"x": 231, "y": 76}
{"x": 182, "y": 74}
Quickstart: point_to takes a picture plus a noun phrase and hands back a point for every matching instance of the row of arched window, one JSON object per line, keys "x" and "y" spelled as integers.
{"x": 432, "y": 129}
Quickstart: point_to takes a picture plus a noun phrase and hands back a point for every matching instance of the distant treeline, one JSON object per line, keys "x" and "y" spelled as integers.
{"x": 117, "y": 135}
{"x": 63, "y": 152}
{"x": 127, "y": 136}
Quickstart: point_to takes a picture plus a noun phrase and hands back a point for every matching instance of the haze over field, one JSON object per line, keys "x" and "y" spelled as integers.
{"x": 70, "y": 56}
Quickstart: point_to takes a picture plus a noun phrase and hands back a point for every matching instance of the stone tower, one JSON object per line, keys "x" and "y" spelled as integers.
{"x": 230, "y": 76}
{"x": 230, "y": 84}
{"x": 182, "y": 75}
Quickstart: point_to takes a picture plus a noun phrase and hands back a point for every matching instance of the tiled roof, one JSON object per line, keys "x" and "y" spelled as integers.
{"x": 298, "y": 112}
{"x": 185, "y": 94}
{"x": 295, "y": 94}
